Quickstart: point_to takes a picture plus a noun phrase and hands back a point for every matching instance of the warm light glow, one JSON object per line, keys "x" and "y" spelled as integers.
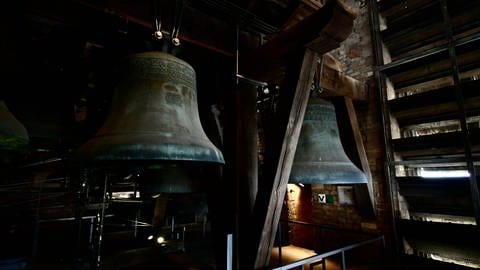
{"x": 160, "y": 240}
{"x": 158, "y": 34}
{"x": 176, "y": 41}
{"x": 294, "y": 191}
{"x": 150, "y": 237}
{"x": 445, "y": 173}
{"x": 122, "y": 194}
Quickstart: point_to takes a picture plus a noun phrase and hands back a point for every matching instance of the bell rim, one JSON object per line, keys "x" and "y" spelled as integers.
{"x": 99, "y": 149}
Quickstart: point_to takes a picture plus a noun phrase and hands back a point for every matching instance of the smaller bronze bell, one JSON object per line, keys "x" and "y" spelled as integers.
{"x": 320, "y": 157}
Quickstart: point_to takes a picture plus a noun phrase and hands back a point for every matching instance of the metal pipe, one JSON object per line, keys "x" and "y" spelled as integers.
{"x": 183, "y": 238}
{"x": 50, "y": 160}
{"x": 68, "y": 219}
{"x": 237, "y": 37}
{"x": 101, "y": 223}
{"x": 251, "y": 81}
{"x": 229, "y": 251}
{"x": 135, "y": 226}
{"x": 90, "y": 235}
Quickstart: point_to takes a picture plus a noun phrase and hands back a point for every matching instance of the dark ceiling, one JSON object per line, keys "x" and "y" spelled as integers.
{"x": 60, "y": 56}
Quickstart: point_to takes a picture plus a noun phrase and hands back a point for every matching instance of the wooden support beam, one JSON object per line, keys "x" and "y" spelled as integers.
{"x": 246, "y": 166}
{"x": 289, "y": 145}
{"x": 333, "y": 23}
{"x": 337, "y": 30}
{"x": 352, "y": 142}
{"x": 308, "y": 39}
{"x": 304, "y": 9}
{"x": 364, "y": 196}
{"x": 333, "y": 82}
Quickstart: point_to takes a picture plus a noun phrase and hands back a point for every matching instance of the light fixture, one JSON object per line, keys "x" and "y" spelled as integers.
{"x": 161, "y": 240}
{"x": 178, "y": 12}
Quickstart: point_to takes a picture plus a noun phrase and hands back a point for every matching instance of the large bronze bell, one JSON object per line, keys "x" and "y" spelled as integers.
{"x": 320, "y": 157}
{"x": 154, "y": 115}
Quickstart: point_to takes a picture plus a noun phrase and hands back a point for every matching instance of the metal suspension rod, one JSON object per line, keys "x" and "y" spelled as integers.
{"x": 177, "y": 21}
{"x": 237, "y": 42}
{"x": 157, "y": 19}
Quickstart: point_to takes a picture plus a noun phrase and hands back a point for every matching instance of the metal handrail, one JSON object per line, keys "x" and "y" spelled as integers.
{"x": 324, "y": 255}
{"x": 321, "y": 257}
{"x": 325, "y": 227}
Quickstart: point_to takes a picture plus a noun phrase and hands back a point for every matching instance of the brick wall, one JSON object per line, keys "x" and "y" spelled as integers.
{"x": 355, "y": 53}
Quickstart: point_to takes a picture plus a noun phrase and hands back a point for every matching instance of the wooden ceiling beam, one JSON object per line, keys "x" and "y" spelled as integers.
{"x": 333, "y": 82}
{"x": 335, "y": 21}
{"x": 304, "y": 9}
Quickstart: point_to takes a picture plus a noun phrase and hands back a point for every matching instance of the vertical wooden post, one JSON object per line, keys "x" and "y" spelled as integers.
{"x": 362, "y": 192}
{"x": 282, "y": 174}
{"x": 246, "y": 169}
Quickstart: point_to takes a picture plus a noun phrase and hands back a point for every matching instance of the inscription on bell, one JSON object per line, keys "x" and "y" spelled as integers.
{"x": 320, "y": 157}
{"x": 156, "y": 69}
{"x": 173, "y": 99}
{"x": 320, "y": 112}
{"x": 154, "y": 115}
{"x": 321, "y": 116}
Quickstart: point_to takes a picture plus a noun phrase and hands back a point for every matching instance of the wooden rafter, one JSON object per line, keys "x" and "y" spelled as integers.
{"x": 333, "y": 82}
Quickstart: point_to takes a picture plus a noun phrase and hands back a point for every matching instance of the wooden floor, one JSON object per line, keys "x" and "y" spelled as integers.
{"x": 292, "y": 253}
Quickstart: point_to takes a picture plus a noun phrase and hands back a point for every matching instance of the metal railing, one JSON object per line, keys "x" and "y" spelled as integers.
{"x": 320, "y": 258}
